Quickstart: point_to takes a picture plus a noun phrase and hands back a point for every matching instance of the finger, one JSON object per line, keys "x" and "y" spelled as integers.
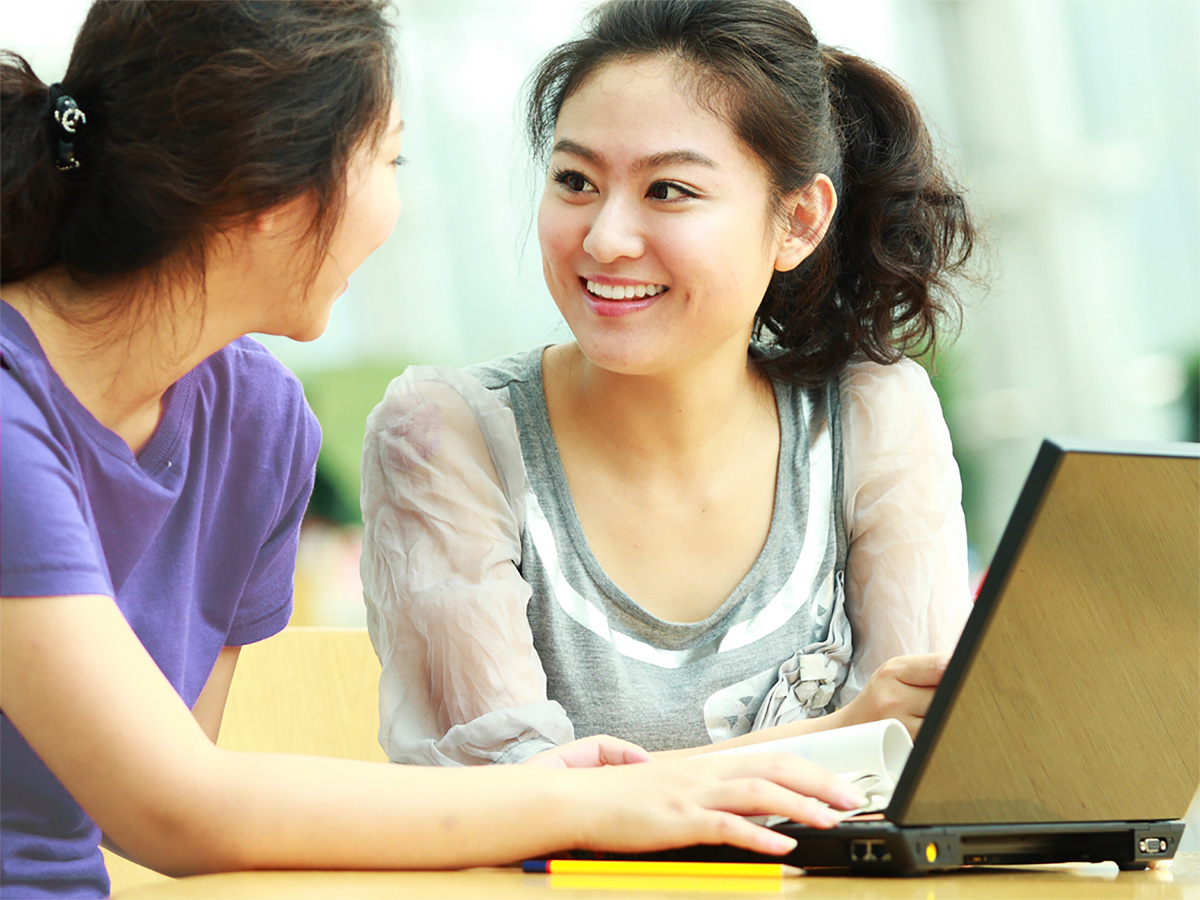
{"x": 799, "y": 776}
{"x": 923, "y": 669}
{"x": 759, "y": 797}
{"x": 727, "y": 828}
{"x": 905, "y": 701}
{"x": 613, "y": 751}
{"x": 547, "y": 759}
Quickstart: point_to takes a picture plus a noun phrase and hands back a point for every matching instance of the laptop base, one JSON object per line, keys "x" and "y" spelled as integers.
{"x": 886, "y": 848}
{"x": 880, "y": 848}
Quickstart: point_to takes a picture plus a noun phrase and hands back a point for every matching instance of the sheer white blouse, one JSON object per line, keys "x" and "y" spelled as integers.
{"x": 443, "y": 499}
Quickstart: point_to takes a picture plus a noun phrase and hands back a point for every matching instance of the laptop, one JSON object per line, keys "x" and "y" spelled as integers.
{"x": 1067, "y": 725}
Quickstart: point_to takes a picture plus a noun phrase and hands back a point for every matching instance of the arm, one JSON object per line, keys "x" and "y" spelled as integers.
{"x": 208, "y": 712}
{"x": 72, "y": 666}
{"x": 442, "y": 493}
{"x": 907, "y": 592}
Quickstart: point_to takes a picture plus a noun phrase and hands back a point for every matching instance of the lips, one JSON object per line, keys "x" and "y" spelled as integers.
{"x": 612, "y": 300}
{"x": 623, "y": 291}
{"x": 615, "y": 300}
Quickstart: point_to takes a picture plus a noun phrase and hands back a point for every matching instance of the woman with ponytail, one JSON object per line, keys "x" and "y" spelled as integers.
{"x": 728, "y": 511}
{"x": 203, "y": 171}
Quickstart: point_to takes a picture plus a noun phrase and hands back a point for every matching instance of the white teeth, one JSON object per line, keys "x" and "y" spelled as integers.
{"x": 624, "y": 292}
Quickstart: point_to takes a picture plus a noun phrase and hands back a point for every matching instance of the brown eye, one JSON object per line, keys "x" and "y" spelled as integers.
{"x": 573, "y": 181}
{"x": 667, "y": 190}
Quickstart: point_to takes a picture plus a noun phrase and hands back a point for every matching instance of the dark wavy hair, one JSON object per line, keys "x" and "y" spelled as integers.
{"x": 200, "y": 114}
{"x": 878, "y": 285}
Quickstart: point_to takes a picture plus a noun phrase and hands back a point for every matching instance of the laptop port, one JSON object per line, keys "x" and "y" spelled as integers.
{"x": 869, "y": 851}
{"x": 1153, "y": 845}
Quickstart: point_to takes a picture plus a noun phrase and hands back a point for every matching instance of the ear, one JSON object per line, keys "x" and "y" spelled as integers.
{"x": 284, "y": 217}
{"x": 810, "y": 210}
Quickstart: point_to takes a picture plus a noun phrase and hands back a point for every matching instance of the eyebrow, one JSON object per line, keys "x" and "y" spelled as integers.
{"x": 653, "y": 161}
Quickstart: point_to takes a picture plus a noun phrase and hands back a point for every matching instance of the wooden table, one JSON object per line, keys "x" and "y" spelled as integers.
{"x": 1084, "y": 882}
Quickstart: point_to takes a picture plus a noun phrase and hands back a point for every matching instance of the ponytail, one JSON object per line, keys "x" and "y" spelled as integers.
{"x": 879, "y": 285}
{"x": 32, "y": 190}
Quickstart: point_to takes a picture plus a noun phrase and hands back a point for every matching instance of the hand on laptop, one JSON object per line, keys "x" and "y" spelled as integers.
{"x": 899, "y": 689}
{"x": 705, "y": 799}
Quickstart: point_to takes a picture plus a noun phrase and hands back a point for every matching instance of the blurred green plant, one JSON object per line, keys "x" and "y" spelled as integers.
{"x": 947, "y": 384}
{"x": 342, "y": 399}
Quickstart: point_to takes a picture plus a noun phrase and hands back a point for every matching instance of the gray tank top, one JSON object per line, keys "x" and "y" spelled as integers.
{"x": 776, "y": 650}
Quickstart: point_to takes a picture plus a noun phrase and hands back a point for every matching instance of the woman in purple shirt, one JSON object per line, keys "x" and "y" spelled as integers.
{"x": 206, "y": 170}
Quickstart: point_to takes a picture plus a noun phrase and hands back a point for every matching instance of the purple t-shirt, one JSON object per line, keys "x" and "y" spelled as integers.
{"x": 195, "y": 538}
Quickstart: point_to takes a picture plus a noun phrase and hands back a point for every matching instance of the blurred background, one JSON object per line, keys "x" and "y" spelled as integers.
{"x": 1074, "y": 126}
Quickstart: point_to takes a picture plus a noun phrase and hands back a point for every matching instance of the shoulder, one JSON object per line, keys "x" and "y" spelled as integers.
{"x": 889, "y": 406}
{"x": 246, "y": 413}
{"x": 892, "y": 426}
{"x": 439, "y": 420}
{"x": 255, "y": 389}
{"x": 885, "y": 400}
{"x": 50, "y": 546}
{"x": 26, "y": 399}
{"x": 905, "y": 382}
{"x": 38, "y": 417}
{"x": 25, "y": 375}
{"x": 424, "y": 399}
{"x": 248, "y": 366}
{"x": 33, "y": 434}
{"x": 498, "y": 374}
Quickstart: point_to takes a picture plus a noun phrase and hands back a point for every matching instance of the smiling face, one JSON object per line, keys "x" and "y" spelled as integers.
{"x": 656, "y": 231}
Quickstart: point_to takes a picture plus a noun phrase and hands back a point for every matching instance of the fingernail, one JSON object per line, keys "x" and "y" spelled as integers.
{"x": 781, "y": 843}
{"x": 826, "y": 818}
{"x": 853, "y": 799}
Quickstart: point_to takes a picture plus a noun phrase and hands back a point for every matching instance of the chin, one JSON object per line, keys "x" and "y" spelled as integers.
{"x": 620, "y": 357}
{"x": 304, "y": 332}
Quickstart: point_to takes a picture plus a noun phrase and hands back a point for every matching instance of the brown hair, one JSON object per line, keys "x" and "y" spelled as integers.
{"x": 877, "y": 285}
{"x": 200, "y": 113}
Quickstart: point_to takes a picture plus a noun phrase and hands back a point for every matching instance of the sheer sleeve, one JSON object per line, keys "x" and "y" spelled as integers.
{"x": 907, "y": 585}
{"x": 442, "y": 489}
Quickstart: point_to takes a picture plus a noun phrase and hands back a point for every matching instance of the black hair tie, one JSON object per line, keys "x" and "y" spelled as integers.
{"x": 66, "y": 120}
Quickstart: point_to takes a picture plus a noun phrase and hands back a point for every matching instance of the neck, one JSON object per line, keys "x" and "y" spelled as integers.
{"x": 683, "y": 419}
{"x": 120, "y": 364}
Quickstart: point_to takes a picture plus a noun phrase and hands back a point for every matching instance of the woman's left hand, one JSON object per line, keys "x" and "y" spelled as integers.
{"x": 899, "y": 689}
{"x": 598, "y": 750}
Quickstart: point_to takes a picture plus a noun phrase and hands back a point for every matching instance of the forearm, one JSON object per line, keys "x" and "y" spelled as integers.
{"x": 247, "y": 810}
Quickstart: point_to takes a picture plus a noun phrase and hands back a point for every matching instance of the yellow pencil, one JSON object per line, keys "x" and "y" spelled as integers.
{"x": 656, "y": 867}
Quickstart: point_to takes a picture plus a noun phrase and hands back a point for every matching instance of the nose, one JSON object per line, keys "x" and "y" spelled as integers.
{"x": 615, "y": 232}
